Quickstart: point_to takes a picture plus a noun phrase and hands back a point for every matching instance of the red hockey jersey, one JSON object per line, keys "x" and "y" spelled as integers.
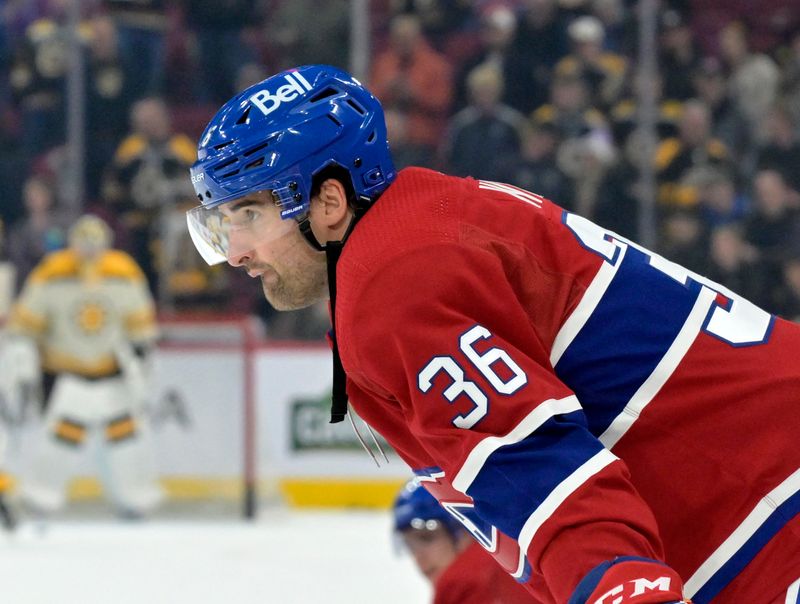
{"x": 570, "y": 396}
{"x": 473, "y": 578}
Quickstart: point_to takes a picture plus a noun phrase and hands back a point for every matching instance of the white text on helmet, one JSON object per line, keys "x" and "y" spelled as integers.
{"x": 268, "y": 102}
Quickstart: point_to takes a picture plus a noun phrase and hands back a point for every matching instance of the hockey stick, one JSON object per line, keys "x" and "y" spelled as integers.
{"x": 7, "y": 517}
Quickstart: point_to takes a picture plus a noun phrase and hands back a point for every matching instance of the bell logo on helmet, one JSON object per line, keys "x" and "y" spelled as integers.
{"x": 268, "y": 102}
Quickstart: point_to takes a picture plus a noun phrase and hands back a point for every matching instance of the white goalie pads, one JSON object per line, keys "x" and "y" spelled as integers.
{"x": 137, "y": 374}
{"x": 20, "y": 377}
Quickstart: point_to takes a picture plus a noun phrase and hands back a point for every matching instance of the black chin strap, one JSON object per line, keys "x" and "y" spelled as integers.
{"x": 333, "y": 249}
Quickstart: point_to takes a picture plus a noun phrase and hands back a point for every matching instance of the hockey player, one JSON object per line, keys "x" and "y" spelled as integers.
{"x": 90, "y": 311}
{"x": 459, "y": 569}
{"x": 612, "y": 427}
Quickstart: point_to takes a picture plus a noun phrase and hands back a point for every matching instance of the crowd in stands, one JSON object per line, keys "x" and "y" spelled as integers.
{"x": 542, "y": 94}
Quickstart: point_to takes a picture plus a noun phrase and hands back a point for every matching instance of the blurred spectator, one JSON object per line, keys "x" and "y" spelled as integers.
{"x": 773, "y": 224}
{"x": 38, "y": 79}
{"x": 13, "y": 166}
{"x": 108, "y": 99}
{"x": 780, "y": 150}
{"x": 484, "y": 135}
{"x": 734, "y": 263}
{"x": 147, "y": 178}
{"x": 441, "y": 20}
{"x": 540, "y": 42}
{"x": 618, "y": 198}
{"x": 684, "y": 239}
{"x": 142, "y": 27}
{"x": 624, "y": 115}
{"x": 404, "y": 152}
{"x": 788, "y": 295}
{"x": 603, "y": 71}
{"x": 586, "y": 160}
{"x": 295, "y": 43}
{"x": 679, "y": 55}
{"x": 693, "y": 147}
{"x": 569, "y": 109}
{"x": 618, "y": 24}
{"x": 753, "y": 78}
{"x": 536, "y": 168}
{"x": 496, "y": 32}
{"x": 42, "y": 230}
{"x": 728, "y": 123}
{"x": 219, "y": 29}
{"x": 720, "y": 201}
{"x": 412, "y": 78}
{"x": 791, "y": 76}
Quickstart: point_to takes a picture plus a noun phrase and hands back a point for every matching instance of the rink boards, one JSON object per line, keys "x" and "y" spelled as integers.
{"x": 199, "y": 418}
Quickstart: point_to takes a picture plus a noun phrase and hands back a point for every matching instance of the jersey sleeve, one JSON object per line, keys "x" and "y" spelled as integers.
{"x": 442, "y": 330}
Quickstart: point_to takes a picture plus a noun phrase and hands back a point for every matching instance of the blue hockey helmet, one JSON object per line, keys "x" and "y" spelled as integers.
{"x": 277, "y": 136}
{"x": 416, "y": 508}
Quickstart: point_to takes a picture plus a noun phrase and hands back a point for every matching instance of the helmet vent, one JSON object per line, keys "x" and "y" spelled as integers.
{"x": 334, "y": 119}
{"x": 222, "y": 145}
{"x": 256, "y": 149}
{"x": 225, "y": 164}
{"x": 229, "y": 174}
{"x": 358, "y": 108}
{"x": 323, "y": 94}
{"x": 255, "y": 164}
{"x": 243, "y": 118}
{"x": 372, "y": 136}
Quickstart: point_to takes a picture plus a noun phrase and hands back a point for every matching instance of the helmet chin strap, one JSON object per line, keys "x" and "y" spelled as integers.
{"x": 333, "y": 249}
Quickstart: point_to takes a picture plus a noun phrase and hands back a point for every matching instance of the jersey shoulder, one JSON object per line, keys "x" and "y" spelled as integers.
{"x": 116, "y": 264}
{"x": 56, "y": 265}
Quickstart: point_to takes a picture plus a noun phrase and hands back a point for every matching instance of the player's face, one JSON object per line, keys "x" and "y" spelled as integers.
{"x": 292, "y": 274}
{"x": 433, "y": 550}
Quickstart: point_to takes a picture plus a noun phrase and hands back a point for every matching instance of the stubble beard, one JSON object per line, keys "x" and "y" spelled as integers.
{"x": 299, "y": 290}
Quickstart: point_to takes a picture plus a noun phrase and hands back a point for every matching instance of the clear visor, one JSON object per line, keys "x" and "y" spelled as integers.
{"x": 231, "y": 230}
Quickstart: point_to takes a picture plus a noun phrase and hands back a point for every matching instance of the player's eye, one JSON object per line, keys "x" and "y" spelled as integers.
{"x": 244, "y": 217}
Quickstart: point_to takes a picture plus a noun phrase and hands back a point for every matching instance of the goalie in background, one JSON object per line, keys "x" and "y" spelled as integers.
{"x": 89, "y": 310}
{"x": 458, "y": 567}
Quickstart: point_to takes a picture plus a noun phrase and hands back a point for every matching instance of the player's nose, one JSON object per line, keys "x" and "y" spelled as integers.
{"x": 240, "y": 249}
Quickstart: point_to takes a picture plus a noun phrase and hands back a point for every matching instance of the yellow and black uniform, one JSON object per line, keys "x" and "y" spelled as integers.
{"x": 88, "y": 312}
{"x": 79, "y": 311}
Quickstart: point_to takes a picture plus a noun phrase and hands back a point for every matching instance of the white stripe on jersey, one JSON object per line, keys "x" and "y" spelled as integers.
{"x": 663, "y": 371}
{"x": 755, "y": 519}
{"x": 521, "y": 194}
{"x": 478, "y": 456}
{"x": 556, "y": 497}
{"x": 591, "y": 298}
{"x": 793, "y": 594}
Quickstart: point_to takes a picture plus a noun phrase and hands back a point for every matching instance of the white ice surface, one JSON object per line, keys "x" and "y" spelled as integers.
{"x": 284, "y": 557}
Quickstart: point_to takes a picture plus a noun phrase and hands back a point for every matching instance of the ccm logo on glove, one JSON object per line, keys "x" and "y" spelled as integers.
{"x": 630, "y": 589}
{"x": 630, "y": 580}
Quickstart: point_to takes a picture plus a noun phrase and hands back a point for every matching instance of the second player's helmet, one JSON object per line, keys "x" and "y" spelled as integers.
{"x": 416, "y": 508}
{"x": 280, "y": 133}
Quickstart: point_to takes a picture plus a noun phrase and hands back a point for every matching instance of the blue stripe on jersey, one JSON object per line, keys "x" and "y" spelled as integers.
{"x": 776, "y": 521}
{"x": 516, "y": 478}
{"x": 626, "y": 336}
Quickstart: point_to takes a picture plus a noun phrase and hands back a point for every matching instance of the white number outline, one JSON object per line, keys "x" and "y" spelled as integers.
{"x": 738, "y": 323}
{"x": 461, "y": 385}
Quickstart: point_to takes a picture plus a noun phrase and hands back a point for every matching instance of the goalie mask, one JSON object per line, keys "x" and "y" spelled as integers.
{"x": 276, "y": 136}
{"x": 89, "y": 236}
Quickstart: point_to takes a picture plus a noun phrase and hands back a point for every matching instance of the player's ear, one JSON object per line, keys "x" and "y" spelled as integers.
{"x": 329, "y": 208}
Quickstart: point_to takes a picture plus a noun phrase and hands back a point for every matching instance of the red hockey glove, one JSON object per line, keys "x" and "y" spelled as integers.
{"x": 630, "y": 580}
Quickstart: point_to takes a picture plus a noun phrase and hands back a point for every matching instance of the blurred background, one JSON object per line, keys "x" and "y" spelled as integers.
{"x": 672, "y": 122}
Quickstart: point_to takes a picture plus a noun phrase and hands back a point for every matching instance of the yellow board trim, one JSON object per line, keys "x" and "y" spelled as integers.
{"x": 296, "y": 492}
{"x": 345, "y": 492}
